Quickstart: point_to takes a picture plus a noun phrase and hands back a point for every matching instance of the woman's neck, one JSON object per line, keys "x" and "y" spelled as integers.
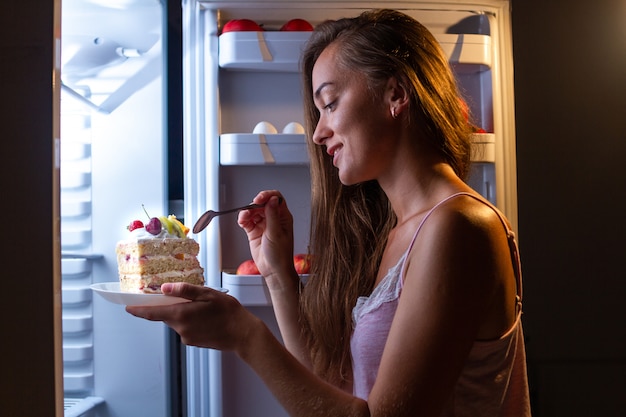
{"x": 416, "y": 188}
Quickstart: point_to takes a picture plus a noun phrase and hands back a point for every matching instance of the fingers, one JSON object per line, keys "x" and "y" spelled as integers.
{"x": 188, "y": 291}
{"x": 272, "y": 216}
{"x": 159, "y": 313}
{"x": 264, "y": 196}
{"x": 211, "y": 320}
{"x": 166, "y": 312}
{"x": 250, "y": 219}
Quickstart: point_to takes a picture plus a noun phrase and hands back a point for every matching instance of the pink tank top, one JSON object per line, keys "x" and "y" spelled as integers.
{"x": 493, "y": 381}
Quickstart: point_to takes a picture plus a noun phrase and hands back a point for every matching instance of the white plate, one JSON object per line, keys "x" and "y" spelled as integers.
{"x": 110, "y": 291}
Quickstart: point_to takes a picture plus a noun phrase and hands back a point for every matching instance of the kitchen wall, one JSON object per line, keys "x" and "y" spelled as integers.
{"x": 570, "y": 88}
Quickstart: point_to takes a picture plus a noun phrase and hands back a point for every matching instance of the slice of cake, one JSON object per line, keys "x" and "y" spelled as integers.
{"x": 157, "y": 253}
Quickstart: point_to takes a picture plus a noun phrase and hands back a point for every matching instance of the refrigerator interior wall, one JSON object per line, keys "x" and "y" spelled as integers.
{"x": 251, "y": 89}
{"x": 113, "y": 160}
{"x": 247, "y": 98}
{"x": 109, "y": 50}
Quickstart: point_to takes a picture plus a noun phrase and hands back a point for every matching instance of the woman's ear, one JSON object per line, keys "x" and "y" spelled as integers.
{"x": 397, "y": 97}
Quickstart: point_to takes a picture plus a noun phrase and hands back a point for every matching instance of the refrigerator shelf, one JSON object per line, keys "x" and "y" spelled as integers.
{"x": 250, "y": 290}
{"x": 466, "y": 52}
{"x": 263, "y": 149}
{"x": 280, "y": 51}
{"x": 76, "y": 407}
{"x": 484, "y": 147}
{"x": 262, "y": 51}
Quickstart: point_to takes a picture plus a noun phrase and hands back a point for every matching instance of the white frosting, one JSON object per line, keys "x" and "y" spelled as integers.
{"x": 142, "y": 233}
{"x": 135, "y": 259}
{"x": 169, "y": 274}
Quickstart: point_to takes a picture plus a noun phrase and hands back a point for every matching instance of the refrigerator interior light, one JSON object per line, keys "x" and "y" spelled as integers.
{"x": 123, "y": 4}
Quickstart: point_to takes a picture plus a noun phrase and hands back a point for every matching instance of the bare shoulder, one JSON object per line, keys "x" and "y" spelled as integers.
{"x": 463, "y": 242}
{"x": 465, "y": 215}
{"x": 463, "y": 249}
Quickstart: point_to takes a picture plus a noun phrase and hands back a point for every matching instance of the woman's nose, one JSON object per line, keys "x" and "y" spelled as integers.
{"x": 320, "y": 134}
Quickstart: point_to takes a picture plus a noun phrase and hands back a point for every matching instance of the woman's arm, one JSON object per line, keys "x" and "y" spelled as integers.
{"x": 216, "y": 320}
{"x": 301, "y": 393}
{"x": 270, "y": 234}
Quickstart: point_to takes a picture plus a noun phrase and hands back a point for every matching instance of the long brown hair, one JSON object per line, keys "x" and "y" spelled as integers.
{"x": 350, "y": 224}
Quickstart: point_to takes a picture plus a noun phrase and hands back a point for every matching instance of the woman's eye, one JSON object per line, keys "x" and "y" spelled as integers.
{"x": 329, "y": 106}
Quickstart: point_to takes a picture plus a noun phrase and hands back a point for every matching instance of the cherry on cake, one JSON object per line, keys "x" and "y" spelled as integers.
{"x": 156, "y": 253}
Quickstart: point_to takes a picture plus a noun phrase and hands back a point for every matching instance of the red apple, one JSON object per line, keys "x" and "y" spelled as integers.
{"x": 241, "y": 25}
{"x": 248, "y": 267}
{"x": 302, "y": 263}
{"x": 297, "y": 25}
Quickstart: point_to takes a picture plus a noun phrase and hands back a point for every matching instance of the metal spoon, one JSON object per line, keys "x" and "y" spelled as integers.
{"x": 206, "y": 218}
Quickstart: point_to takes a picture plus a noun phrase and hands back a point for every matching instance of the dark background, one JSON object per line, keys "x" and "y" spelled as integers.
{"x": 570, "y": 89}
{"x": 570, "y": 85}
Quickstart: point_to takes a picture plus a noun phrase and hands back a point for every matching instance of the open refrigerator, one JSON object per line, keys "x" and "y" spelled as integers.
{"x": 231, "y": 83}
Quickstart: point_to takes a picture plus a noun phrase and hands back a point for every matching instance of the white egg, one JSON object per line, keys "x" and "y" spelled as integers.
{"x": 294, "y": 128}
{"x": 265, "y": 127}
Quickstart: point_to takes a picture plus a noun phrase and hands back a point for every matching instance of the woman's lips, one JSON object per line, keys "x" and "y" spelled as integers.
{"x": 333, "y": 151}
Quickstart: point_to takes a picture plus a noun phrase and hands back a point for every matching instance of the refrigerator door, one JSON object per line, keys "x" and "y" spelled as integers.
{"x": 234, "y": 82}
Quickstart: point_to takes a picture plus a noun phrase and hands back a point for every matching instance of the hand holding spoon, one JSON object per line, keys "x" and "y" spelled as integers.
{"x": 206, "y": 218}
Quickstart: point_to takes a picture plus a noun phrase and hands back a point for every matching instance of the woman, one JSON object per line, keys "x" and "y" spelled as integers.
{"x": 414, "y": 302}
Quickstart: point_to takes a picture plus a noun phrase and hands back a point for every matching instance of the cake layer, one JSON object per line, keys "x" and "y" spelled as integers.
{"x": 151, "y": 283}
{"x": 156, "y": 264}
{"x": 167, "y": 246}
{"x": 146, "y": 263}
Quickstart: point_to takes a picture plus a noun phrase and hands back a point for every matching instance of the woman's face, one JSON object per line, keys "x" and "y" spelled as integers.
{"x": 354, "y": 128}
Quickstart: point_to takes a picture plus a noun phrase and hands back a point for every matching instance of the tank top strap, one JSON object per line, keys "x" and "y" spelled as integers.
{"x": 419, "y": 227}
{"x": 512, "y": 242}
